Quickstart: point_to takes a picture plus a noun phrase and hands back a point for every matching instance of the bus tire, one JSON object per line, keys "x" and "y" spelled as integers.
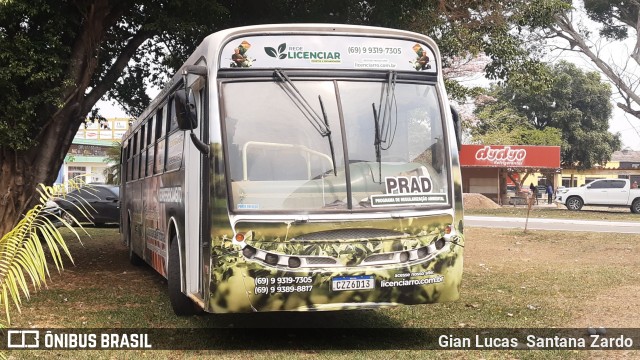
{"x": 635, "y": 206}
{"x": 181, "y": 304}
{"x": 134, "y": 259}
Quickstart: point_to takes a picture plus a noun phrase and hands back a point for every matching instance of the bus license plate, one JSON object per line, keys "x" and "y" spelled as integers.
{"x": 352, "y": 283}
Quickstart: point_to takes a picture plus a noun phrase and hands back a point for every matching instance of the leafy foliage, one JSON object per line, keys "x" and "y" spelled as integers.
{"x": 35, "y": 49}
{"x": 497, "y": 29}
{"x": 616, "y": 16}
{"x": 112, "y": 172}
{"x": 573, "y": 110}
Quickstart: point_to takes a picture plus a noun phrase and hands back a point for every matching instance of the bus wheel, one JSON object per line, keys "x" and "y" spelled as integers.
{"x": 181, "y": 304}
{"x": 134, "y": 259}
{"x": 574, "y": 203}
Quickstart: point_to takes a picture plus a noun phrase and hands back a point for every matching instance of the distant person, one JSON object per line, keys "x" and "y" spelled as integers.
{"x": 534, "y": 192}
{"x": 634, "y": 185}
{"x": 549, "y": 193}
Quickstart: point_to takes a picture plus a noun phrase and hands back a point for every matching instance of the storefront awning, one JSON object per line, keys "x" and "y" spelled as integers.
{"x": 520, "y": 157}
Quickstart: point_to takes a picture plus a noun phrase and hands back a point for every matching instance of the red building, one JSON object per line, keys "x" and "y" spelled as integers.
{"x": 487, "y": 169}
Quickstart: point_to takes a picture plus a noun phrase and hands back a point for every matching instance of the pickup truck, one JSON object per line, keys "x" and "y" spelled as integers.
{"x": 603, "y": 192}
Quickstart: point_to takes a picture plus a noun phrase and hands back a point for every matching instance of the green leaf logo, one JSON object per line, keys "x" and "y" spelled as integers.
{"x": 279, "y": 54}
{"x": 270, "y": 51}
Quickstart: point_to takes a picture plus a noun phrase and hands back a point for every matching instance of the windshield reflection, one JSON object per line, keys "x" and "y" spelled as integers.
{"x": 279, "y": 162}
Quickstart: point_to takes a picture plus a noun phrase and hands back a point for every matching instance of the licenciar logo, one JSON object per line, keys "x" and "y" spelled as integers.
{"x": 278, "y": 54}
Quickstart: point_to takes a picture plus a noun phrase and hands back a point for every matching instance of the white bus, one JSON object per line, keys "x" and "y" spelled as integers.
{"x": 296, "y": 168}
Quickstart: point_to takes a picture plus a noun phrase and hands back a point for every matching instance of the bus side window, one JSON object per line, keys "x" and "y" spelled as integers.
{"x": 150, "y": 132}
{"x": 159, "y": 141}
{"x": 174, "y": 143}
{"x": 160, "y": 128}
{"x": 143, "y": 154}
{"x": 173, "y": 123}
{"x": 136, "y": 157}
{"x": 457, "y": 126}
{"x": 129, "y": 160}
{"x": 150, "y": 146}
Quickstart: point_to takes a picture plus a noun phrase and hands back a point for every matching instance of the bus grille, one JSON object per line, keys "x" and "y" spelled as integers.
{"x": 317, "y": 260}
{"x": 379, "y": 257}
{"x": 351, "y": 234}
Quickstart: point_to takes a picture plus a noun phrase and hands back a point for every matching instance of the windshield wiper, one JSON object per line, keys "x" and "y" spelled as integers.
{"x": 384, "y": 134}
{"x": 321, "y": 124}
{"x": 328, "y": 135}
{"x": 377, "y": 142}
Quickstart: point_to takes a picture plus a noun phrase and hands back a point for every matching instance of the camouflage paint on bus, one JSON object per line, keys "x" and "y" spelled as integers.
{"x": 234, "y": 278}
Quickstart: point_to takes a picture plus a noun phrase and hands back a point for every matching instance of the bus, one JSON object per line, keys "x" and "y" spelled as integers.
{"x": 298, "y": 167}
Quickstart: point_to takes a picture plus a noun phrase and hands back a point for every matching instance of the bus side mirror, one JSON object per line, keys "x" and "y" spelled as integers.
{"x": 457, "y": 126}
{"x": 186, "y": 115}
{"x": 193, "y": 77}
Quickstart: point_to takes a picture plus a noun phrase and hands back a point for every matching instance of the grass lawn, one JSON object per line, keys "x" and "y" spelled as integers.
{"x": 512, "y": 279}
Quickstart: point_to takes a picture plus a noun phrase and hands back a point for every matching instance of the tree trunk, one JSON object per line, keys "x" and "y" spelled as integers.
{"x": 15, "y": 189}
{"x": 22, "y": 171}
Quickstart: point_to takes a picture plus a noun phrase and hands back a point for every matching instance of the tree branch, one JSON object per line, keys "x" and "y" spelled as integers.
{"x": 629, "y": 110}
{"x": 576, "y": 39}
{"x": 116, "y": 69}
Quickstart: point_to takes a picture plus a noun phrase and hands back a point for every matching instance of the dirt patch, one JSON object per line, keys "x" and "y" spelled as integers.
{"x": 478, "y": 201}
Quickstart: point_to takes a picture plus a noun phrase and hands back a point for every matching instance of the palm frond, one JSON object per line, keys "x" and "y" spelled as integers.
{"x": 23, "y": 258}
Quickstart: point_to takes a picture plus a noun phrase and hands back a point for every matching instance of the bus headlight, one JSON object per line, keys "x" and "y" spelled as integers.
{"x": 271, "y": 259}
{"x": 423, "y": 252}
{"x": 249, "y": 252}
{"x": 294, "y": 262}
{"x": 404, "y": 256}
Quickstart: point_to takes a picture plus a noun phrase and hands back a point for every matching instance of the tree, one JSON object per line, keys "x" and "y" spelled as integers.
{"x": 500, "y": 123}
{"x": 496, "y": 31}
{"x": 619, "y": 20}
{"x": 575, "y": 105}
{"x": 58, "y": 58}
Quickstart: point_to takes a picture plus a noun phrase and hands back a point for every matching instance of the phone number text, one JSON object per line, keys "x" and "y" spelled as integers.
{"x": 374, "y": 50}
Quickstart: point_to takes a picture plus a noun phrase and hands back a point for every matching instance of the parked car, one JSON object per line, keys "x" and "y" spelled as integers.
{"x": 52, "y": 211}
{"x": 603, "y": 192}
{"x": 100, "y": 202}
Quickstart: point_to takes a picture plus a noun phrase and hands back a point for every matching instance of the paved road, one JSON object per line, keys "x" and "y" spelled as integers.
{"x": 625, "y": 227}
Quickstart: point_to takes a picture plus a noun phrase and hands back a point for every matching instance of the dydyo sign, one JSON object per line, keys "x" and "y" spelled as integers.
{"x": 510, "y": 156}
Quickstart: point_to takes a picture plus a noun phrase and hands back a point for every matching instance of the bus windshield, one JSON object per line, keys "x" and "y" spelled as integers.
{"x": 284, "y": 157}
